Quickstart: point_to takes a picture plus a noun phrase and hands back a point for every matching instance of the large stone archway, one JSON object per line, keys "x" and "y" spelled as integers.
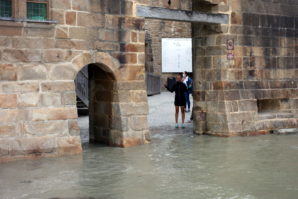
{"x": 114, "y": 110}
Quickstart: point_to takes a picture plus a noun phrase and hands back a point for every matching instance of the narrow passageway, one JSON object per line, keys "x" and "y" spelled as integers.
{"x": 161, "y": 116}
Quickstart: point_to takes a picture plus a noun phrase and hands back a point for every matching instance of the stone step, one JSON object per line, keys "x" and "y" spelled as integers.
{"x": 279, "y": 115}
{"x": 285, "y": 131}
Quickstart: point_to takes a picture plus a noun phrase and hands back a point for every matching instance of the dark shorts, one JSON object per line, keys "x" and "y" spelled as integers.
{"x": 180, "y": 103}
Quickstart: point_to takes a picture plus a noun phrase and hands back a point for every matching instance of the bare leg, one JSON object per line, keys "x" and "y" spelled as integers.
{"x": 183, "y": 113}
{"x": 177, "y": 114}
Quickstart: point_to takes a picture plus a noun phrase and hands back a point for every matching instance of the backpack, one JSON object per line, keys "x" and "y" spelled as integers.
{"x": 189, "y": 84}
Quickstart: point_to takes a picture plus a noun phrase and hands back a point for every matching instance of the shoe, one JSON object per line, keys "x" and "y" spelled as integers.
{"x": 183, "y": 126}
{"x": 176, "y": 126}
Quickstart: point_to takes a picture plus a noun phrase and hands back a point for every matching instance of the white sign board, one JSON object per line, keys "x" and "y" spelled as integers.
{"x": 176, "y": 55}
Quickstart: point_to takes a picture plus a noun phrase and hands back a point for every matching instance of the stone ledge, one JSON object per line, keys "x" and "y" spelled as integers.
{"x": 11, "y": 21}
{"x": 227, "y": 134}
{"x": 38, "y": 147}
{"x": 285, "y": 131}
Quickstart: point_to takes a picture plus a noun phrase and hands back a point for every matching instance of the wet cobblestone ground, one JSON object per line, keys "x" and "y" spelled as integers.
{"x": 162, "y": 112}
{"x": 176, "y": 165}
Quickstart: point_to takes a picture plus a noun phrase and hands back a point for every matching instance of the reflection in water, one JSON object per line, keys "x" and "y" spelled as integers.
{"x": 176, "y": 165}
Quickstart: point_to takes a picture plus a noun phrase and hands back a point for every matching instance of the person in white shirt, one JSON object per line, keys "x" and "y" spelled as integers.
{"x": 187, "y": 82}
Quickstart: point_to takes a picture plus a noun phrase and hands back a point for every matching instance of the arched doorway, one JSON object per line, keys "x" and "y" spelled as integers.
{"x": 96, "y": 96}
{"x": 117, "y": 100}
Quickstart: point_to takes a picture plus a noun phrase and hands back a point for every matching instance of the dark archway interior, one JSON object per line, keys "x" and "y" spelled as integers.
{"x": 95, "y": 95}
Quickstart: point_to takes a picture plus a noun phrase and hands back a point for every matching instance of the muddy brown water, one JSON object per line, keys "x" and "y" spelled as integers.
{"x": 176, "y": 165}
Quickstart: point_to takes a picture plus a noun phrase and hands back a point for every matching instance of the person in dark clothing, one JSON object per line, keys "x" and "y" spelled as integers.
{"x": 179, "y": 88}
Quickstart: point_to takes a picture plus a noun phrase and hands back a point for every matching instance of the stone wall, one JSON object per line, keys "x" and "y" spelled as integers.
{"x": 255, "y": 90}
{"x": 38, "y": 64}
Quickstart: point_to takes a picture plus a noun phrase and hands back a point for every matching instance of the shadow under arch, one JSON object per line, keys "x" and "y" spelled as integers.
{"x": 96, "y": 87}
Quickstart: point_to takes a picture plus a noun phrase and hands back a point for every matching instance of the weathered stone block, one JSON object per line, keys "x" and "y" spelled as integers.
{"x": 53, "y": 56}
{"x": 15, "y": 87}
{"x": 61, "y": 4}
{"x": 8, "y": 101}
{"x": 132, "y": 48}
{"x": 9, "y": 115}
{"x": 71, "y": 18}
{"x": 82, "y": 60}
{"x": 138, "y": 96}
{"x": 16, "y": 55}
{"x": 28, "y": 99}
{"x": 33, "y": 145}
{"x": 74, "y": 129}
{"x": 7, "y": 130}
{"x": 131, "y": 73}
{"x": 231, "y": 95}
{"x": 11, "y": 31}
{"x": 81, "y": 5}
{"x": 127, "y": 58}
{"x": 109, "y": 35}
{"x": 43, "y": 114}
{"x": 39, "y": 30}
{"x": 217, "y": 129}
{"x": 62, "y": 33}
{"x": 69, "y": 145}
{"x": 69, "y": 98}
{"x": 32, "y": 72}
{"x": 51, "y": 99}
{"x": 132, "y": 85}
{"x": 106, "y": 46}
{"x": 138, "y": 123}
{"x": 58, "y": 15}
{"x": 141, "y": 37}
{"x": 57, "y": 128}
{"x": 82, "y": 33}
{"x": 128, "y": 109}
{"x": 90, "y": 20}
{"x": 31, "y": 43}
{"x": 132, "y": 23}
{"x": 119, "y": 123}
{"x": 62, "y": 72}
{"x": 141, "y": 58}
{"x": 60, "y": 86}
{"x": 4, "y": 148}
{"x": 241, "y": 117}
{"x": 8, "y": 72}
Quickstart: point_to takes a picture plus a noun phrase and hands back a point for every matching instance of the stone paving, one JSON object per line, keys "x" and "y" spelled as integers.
{"x": 162, "y": 112}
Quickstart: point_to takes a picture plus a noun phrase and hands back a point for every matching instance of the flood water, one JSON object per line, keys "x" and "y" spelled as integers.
{"x": 175, "y": 165}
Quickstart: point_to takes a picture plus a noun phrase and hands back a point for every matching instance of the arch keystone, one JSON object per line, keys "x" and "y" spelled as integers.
{"x": 107, "y": 59}
{"x": 82, "y": 60}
